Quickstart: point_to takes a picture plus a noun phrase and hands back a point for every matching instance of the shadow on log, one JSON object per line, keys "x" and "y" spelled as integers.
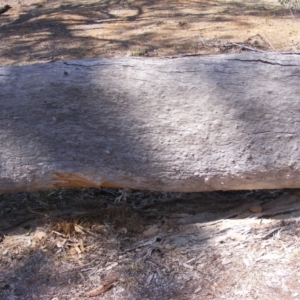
{"x": 227, "y": 122}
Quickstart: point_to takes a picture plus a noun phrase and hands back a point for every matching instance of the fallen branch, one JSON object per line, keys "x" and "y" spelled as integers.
{"x": 197, "y": 123}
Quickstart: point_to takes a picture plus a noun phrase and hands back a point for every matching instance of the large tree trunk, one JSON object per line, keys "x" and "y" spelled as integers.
{"x": 188, "y": 124}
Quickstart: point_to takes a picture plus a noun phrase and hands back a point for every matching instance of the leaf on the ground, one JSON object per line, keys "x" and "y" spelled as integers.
{"x": 149, "y": 279}
{"x": 61, "y": 244}
{"x": 226, "y": 261}
{"x": 168, "y": 246}
{"x": 256, "y": 209}
{"x": 72, "y": 251}
{"x": 101, "y": 289}
{"x": 153, "y": 230}
{"x": 188, "y": 266}
{"x": 111, "y": 266}
{"x": 78, "y": 229}
{"x": 78, "y": 249}
{"x": 123, "y": 230}
{"x": 246, "y": 262}
{"x": 40, "y": 235}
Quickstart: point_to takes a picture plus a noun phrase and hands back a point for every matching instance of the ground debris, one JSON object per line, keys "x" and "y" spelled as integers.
{"x": 65, "y": 244}
{"x": 86, "y": 247}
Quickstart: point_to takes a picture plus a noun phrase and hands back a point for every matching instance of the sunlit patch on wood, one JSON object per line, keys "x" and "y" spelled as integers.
{"x": 72, "y": 181}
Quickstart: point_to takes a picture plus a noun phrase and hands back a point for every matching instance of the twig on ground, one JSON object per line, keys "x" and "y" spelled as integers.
{"x": 242, "y": 46}
{"x": 36, "y": 212}
{"x": 266, "y": 41}
{"x": 101, "y": 289}
{"x": 291, "y": 12}
{"x": 144, "y": 243}
{"x": 271, "y": 233}
{"x": 16, "y": 225}
{"x": 200, "y": 38}
{"x": 278, "y": 212}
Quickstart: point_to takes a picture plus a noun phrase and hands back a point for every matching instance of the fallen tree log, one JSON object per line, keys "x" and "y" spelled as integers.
{"x": 227, "y": 122}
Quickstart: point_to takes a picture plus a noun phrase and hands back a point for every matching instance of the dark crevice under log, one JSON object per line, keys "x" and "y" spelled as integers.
{"x": 227, "y": 122}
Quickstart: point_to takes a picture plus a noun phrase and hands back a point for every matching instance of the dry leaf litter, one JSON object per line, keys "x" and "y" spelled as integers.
{"x": 120, "y": 244}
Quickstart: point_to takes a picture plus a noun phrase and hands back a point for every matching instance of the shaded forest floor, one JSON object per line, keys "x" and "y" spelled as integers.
{"x": 118, "y": 244}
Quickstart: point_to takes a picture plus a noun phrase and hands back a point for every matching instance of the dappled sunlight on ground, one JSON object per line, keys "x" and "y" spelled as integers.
{"x": 46, "y": 31}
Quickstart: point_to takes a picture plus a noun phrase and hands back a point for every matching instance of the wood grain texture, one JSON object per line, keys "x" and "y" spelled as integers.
{"x": 226, "y": 122}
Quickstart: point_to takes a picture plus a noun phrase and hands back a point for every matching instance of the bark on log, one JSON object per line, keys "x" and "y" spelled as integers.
{"x": 227, "y": 122}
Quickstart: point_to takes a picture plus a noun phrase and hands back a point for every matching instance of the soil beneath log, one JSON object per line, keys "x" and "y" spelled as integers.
{"x": 120, "y": 244}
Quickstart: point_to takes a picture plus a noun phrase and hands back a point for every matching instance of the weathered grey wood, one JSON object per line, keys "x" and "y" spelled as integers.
{"x": 188, "y": 124}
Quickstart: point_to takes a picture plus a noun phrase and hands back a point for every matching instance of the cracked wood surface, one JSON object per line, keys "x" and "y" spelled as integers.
{"x": 226, "y": 122}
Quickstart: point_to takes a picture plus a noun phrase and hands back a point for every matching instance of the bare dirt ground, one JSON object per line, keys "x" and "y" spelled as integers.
{"x": 117, "y": 244}
{"x": 39, "y": 31}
